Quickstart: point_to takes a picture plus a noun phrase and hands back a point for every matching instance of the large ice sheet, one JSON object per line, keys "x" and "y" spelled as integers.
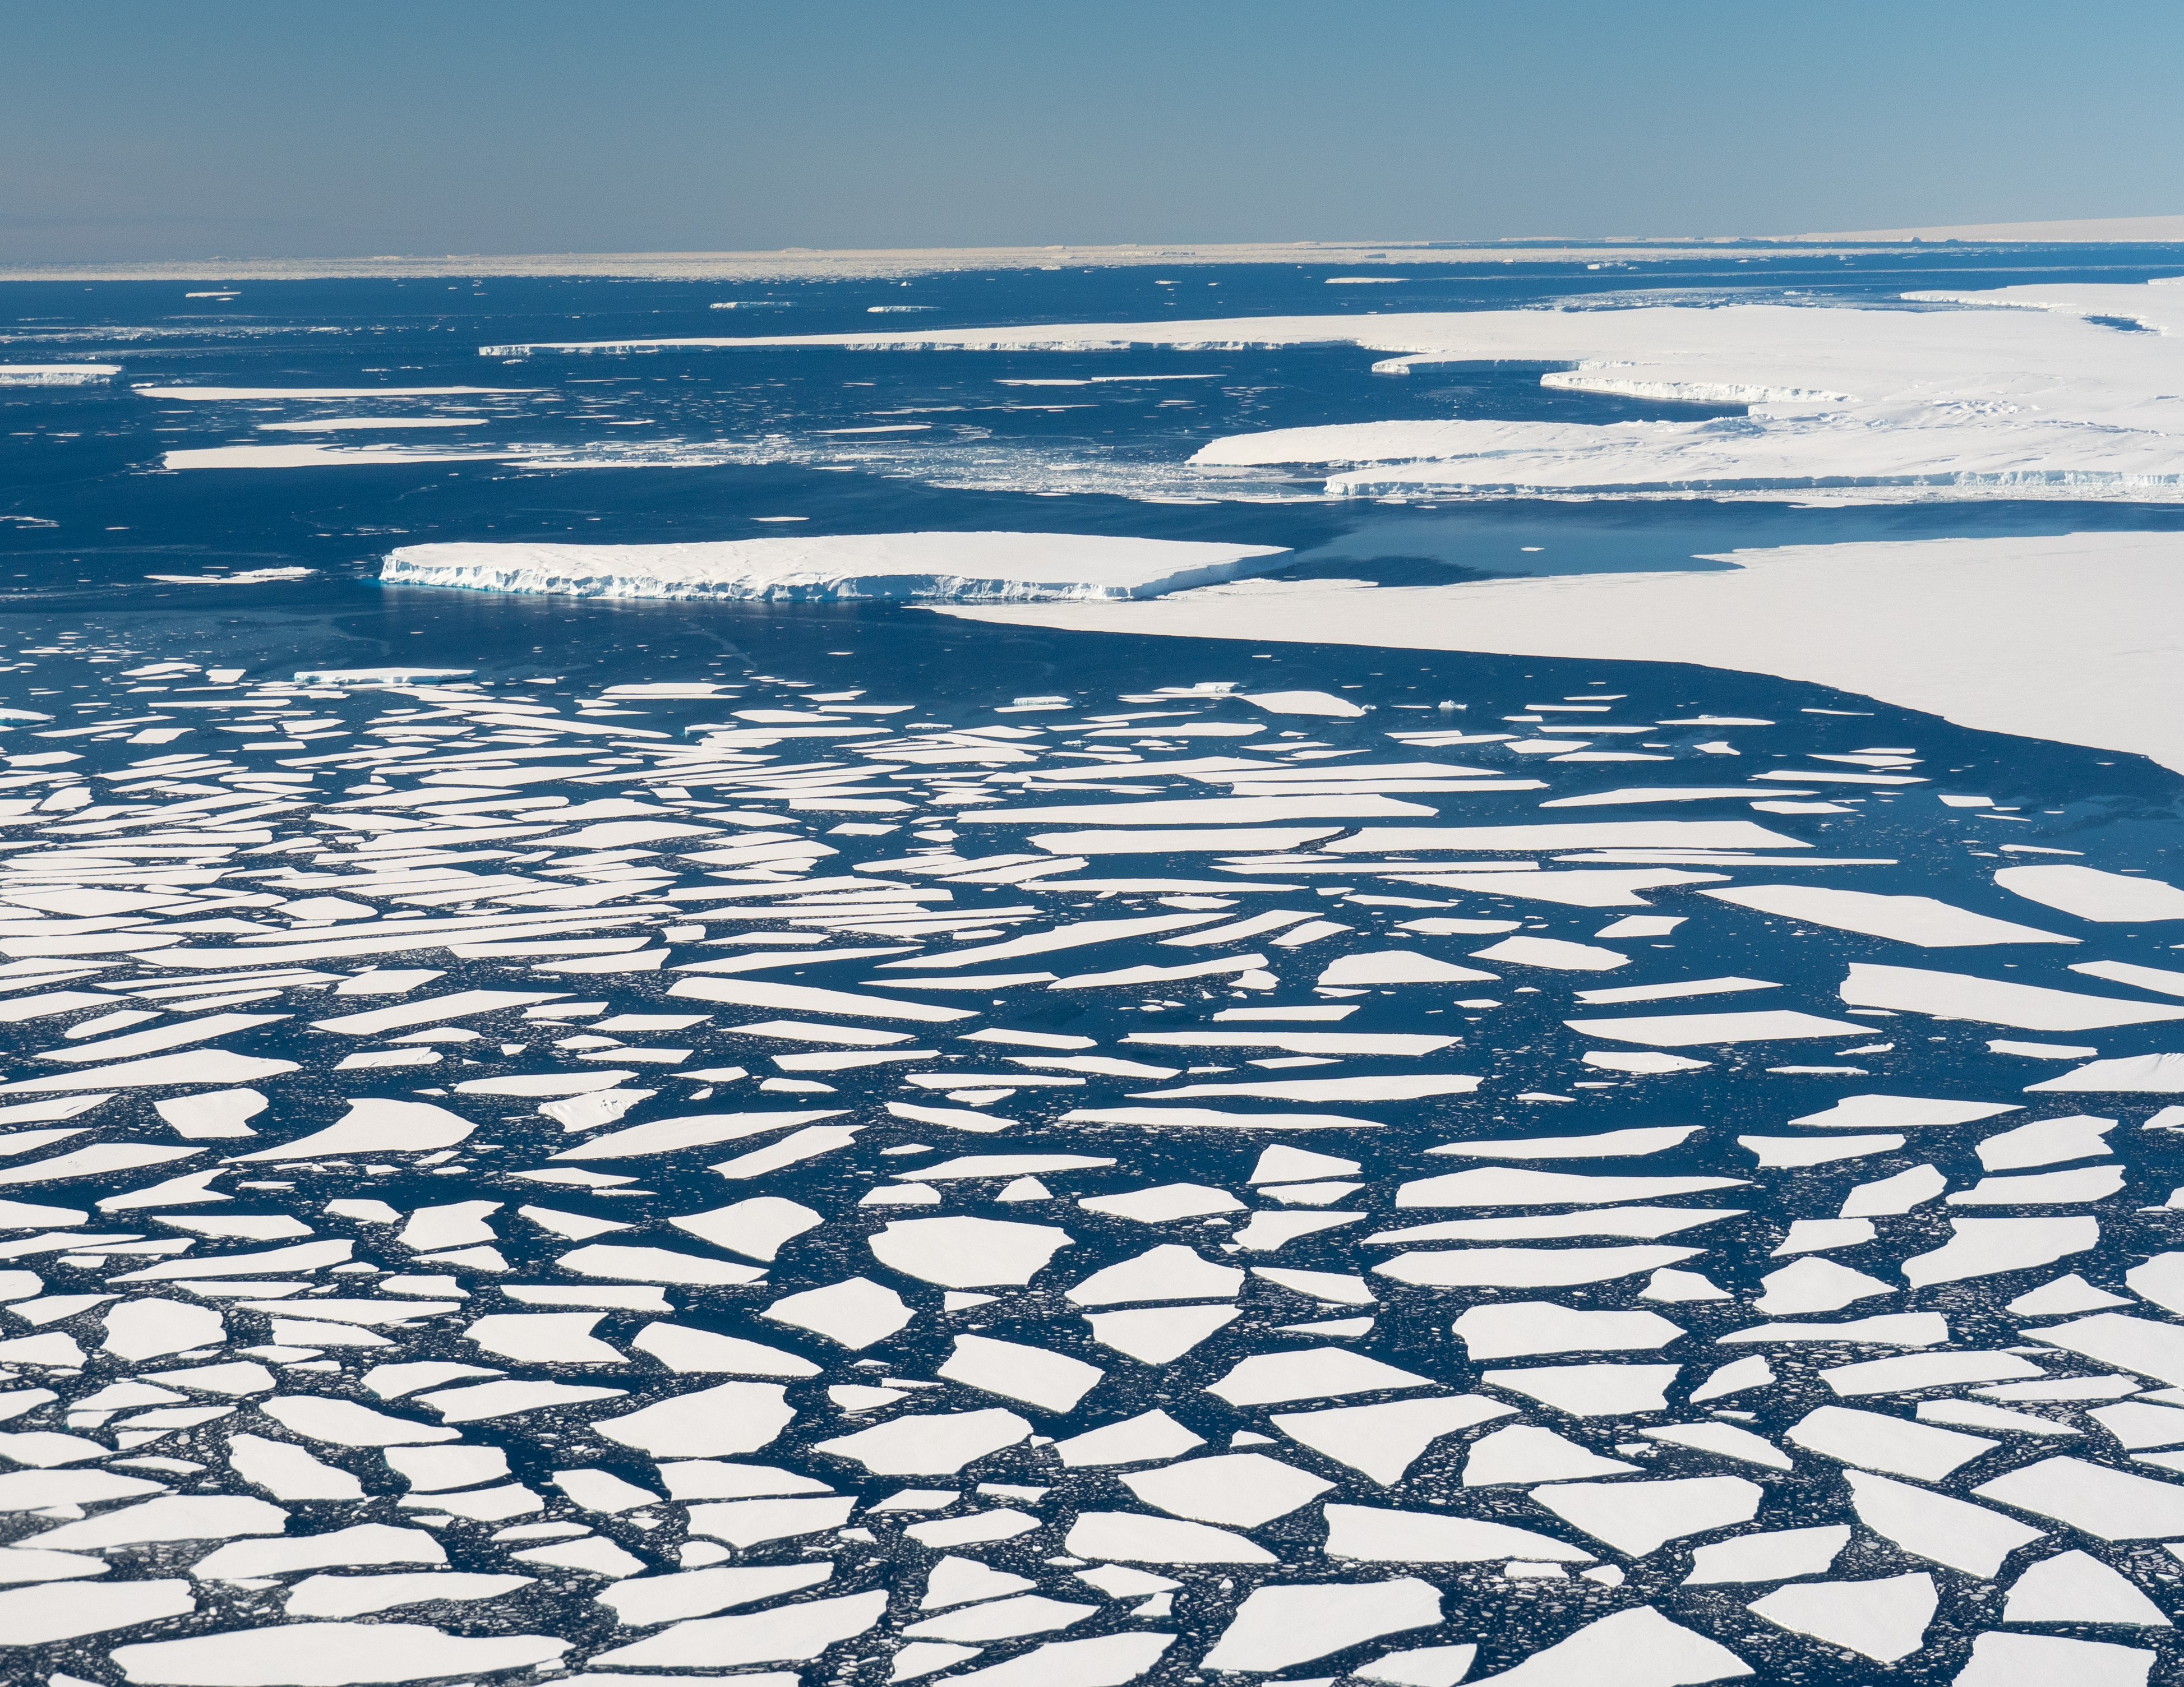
{"x": 1968, "y": 620}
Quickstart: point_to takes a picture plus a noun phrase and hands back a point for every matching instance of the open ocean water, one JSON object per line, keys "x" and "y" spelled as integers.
{"x": 822, "y": 1143}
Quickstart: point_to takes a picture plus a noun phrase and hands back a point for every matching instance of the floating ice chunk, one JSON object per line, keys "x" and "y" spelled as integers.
{"x": 2046, "y": 1188}
{"x": 1136, "y": 1537}
{"x": 1384, "y": 1440}
{"x": 1318, "y": 1373}
{"x": 364, "y": 1543}
{"x": 695, "y": 1130}
{"x": 1170, "y": 1272}
{"x": 1371, "y": 1535}
{"x": 655, "y": 1265}
{"x": 693, "y": 1350}
{"x": 1302, "y": 703}
{"x": 38, "y": 1616}
{"x": 1520, "y": 1328}
{"x": 2133, "y": 1074}
{"x": 1244, "y": 1489}
{"x": 1775, "y": 1556}
{"x": 433, "y": 1469}
{"x": 1108, "y": 1661}
{"x": 599, "y": 1490}
{"x": 1669, "y": 1284}
{"x": 1552, "y": 952}
{"x": 1897, "y": 1195}
{"x": 1050, "y": 1381}
{"x": 2109, "y": 1504}
{"x": 1884, "y": 1619}
{"x": 856, "y": 1312}
{"x": 750, "y": 1522}
{"x": 2158, "y": 979}
{"x": 1902, "y": 1112}
{"x": 958, "y": 1581}
{"x": 343, "y": 1423}
{"x": 1525, "y": 1452}
{"x": 1002, "y": 1619}
{"x": 2075, "y": 1587}
{"x": 2045, "y": 1141}
{"x": 1497, "y": 1186}
{"x": 327, "y": 1653}
{"x": 289, "y": 1473}
{"x": 1782, "y": 1152}
{"x": 935, "y": 1444}
{"x": 1816, "y": 1285}
{"x": 1421, "y": 1667}
{"x": 804, "y": 999}
{"x": 968, "y": 1253}
{"x": 1889, "y": 1329}
{"x": 22, "y": 1564}
{"x": 1736, "y": 1376}
{"x": 1276, "y": 1625}
{"x": 713, "y": 1479}
{"x": 1877, "y": 1442}
{"x": 1282, "y": 1164}
{"x": 1157, "y": 1335}
{"x": 1599, "y": 1145}
{"x": 218, "y": 1113}
{"x": 1911, "y": 1372}
{"x": 195, "y": 1066}
{"x": 2000, "y": 1660}
{"x": 505, "y": 1399}
{"x": 2113, "y": 899}
{"x": 1148, "y": 1436}
{"x": 362, "y": 1595}
{"x": 1530, "y": 1268}
{"x": 1724, "y": 1438}
{"x": 1398, "y": 967}
{"x": 149, "y": 1327}
{"x": 1591, "y": 1390}
{"x": 1647, "y": 1063}
{"x": 544, "y": 1338}
{"x": 786, "y": 1633}
{"x": 1985, "y": 1247}
{"x": 1634, "y": 1648}
{"x": 1928, "y": 1525}
{"x": 728, "y": 1417}
{"x": 1689, "y": 1030}
{"x": 376, "y": 1125}
{"x": 1991, "y": 1001}
{"x": 179, "y": 1517}
{"x": 1920, "y": 919}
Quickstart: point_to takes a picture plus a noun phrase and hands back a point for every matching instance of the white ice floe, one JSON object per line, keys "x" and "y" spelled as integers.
{"x": 1920, "y": 920}
{"x": 1973, "y": 1539}
{"x": 1993, "y": 1001}
{"x": 2091, "y": 894}
{"x": 1775, "y": 1556}
{"x": 1634, "y": 1648}
{"x": 1277, "y": 1626}
{"x": 831, "y": 567}
{"x": 1885, "y": 1619}
{"x": 1638, "y": 1517}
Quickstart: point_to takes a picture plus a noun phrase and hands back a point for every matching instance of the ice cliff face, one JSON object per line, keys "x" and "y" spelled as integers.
{"x": 943, "y": 567}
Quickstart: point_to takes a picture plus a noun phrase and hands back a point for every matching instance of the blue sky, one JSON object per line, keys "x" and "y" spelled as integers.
{"x": 145, "y": 129}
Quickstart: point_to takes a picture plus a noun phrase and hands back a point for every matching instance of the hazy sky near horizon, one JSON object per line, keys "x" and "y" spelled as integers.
{"x": 148, "y": 129}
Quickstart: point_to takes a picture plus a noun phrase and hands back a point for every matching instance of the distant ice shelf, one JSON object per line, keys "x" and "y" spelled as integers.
{"x": 935, "y": 567}
{"x": 2058, "y": 391}
{"x": 56, "y": 374}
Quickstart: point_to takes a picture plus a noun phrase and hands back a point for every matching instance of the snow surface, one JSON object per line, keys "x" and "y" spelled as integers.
{"x": 1966, "y": 621}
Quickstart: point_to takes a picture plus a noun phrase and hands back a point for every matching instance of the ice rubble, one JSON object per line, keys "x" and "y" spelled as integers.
{"x": 413, "y": 1379}
{"x": 1009, "y": 567}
